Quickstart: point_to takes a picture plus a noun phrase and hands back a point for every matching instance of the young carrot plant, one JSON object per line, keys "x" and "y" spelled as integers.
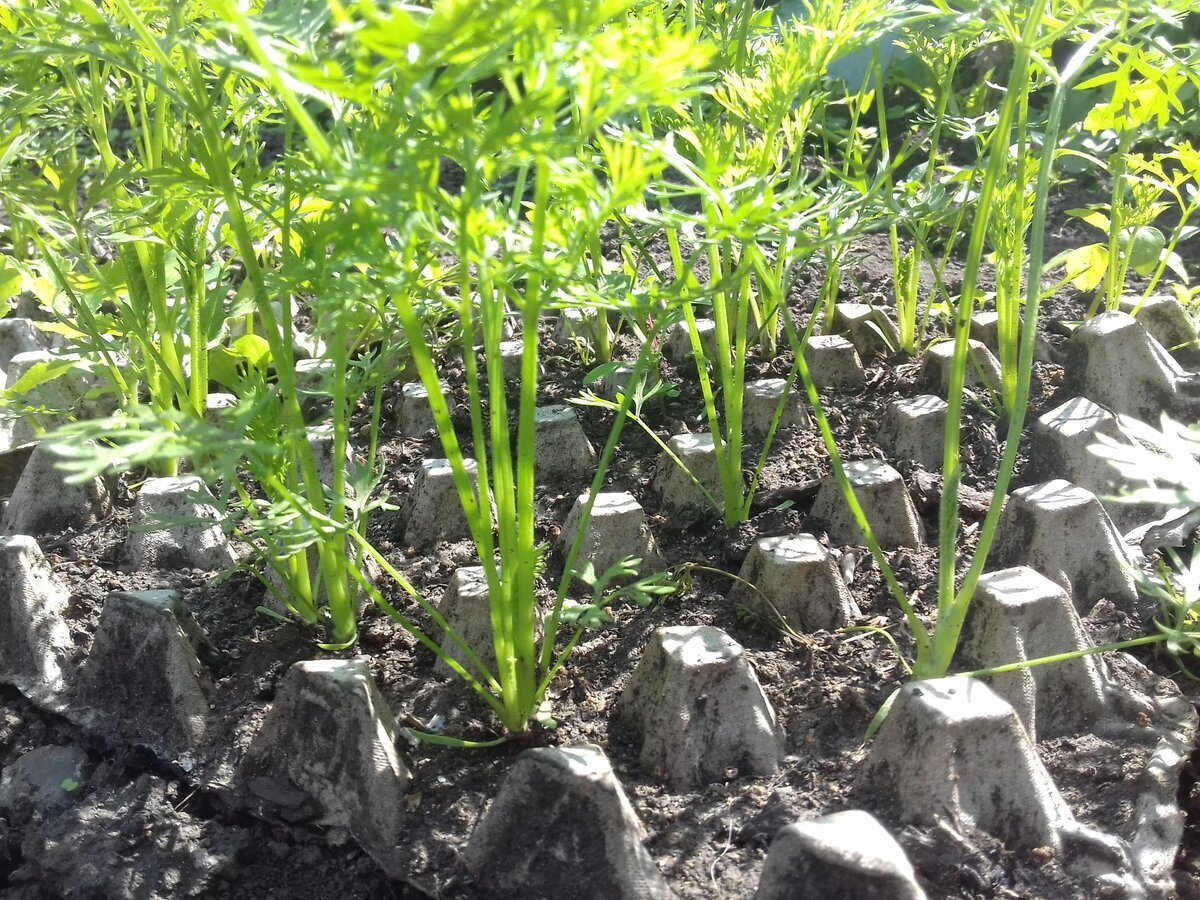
{"x": 564, "y": 80}
{"x": 1030, "y": 32}
{"x": 176, "y": 319}
{"x": 1010, "y": 219}
{"x": 931, "y": 200}
{"x": 150, "y": 313}
{"x": 760, "y": 213}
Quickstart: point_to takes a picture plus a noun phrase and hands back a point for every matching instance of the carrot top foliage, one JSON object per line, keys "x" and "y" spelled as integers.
{"x": 298, "y": 204}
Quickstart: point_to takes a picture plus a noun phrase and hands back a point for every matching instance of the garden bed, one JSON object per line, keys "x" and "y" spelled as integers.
{"x": 411, "y": 363}
{"x": 142, "y": 824}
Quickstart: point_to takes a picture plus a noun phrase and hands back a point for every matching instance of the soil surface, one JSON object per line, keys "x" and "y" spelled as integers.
{"x": 136, "y": 826}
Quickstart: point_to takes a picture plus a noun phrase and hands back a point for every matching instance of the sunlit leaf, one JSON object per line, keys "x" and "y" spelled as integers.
{"x": 1086, "y": 266}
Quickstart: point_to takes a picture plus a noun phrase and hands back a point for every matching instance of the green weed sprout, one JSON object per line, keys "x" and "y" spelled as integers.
{"x": 1174, "y": 174}
{"x": 1145, "y": 84}
{"x": 1168, "y": 457}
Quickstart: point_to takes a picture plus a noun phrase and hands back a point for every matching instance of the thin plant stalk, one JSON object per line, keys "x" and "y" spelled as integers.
{"x": 935, "y": 647}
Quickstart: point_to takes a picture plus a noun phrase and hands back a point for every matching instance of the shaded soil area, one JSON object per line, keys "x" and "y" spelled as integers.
{"x": 137, "y": 826}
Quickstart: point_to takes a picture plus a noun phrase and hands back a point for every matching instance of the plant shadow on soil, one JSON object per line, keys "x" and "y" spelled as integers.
{"x": 142, "y": 828}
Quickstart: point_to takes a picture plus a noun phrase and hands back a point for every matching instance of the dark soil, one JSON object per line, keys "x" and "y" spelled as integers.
{"x": 140, "y": 827}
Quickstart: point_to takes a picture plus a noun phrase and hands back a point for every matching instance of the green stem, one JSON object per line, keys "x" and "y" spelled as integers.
{"x": 1066, "y": 657}
{"x": 953, "y": 607}
{"x": 951, "y": 464}
{"x": 1114, "y": 279}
